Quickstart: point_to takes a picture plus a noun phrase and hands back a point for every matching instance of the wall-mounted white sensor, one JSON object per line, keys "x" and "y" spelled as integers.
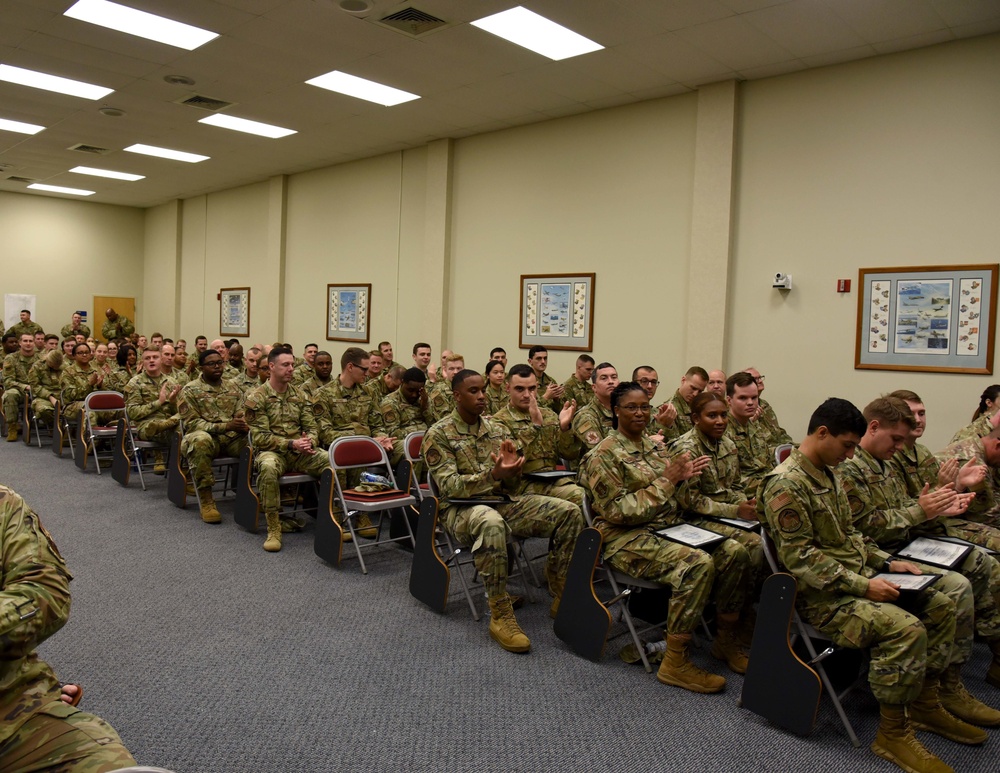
{"x": 782, "y": 281}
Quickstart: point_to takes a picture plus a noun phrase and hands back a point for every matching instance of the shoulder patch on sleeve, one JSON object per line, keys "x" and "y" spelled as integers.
{"x": 856, "y": 504}
{"x": 249, "y": 414}
{"x": 433, "y": 456}
{"x": 783, "y": 499}
{"x": 318, "y": 408}
{"x": 789, "y": 520}
{"x": 592, "y": 437}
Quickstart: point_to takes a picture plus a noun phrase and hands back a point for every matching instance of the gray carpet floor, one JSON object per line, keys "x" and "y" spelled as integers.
{"x": 211, "y": 656}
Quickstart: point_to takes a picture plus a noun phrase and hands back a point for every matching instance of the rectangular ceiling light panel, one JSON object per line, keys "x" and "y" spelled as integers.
{"x": 60, "y": 189}
{"x": 173, "y": 155}
{"x": 19, "y": 126}
{"x": 536, "y": 33}
{"x": 106, "y": 173}
{"x": 40, "y": 80}
{"x": 141, "y": 24}
{"x": 245, "y": 125}
{"x": 353, "y": 86}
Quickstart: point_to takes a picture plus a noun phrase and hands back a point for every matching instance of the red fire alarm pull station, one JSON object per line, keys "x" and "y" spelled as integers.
{"x": 843, "y": 285}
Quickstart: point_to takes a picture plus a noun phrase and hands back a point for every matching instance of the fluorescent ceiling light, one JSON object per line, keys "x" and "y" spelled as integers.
{"x": 353, "y": 86}
{"x": 107, "y": 173}
{"x": 19, "y": 127}
{"x": 244, "y": 125}
{"x": 139, "y": 23}
{"x": 60, "y": 189}
{"x": 175, "y": 155}
{"x": 40, "y": 80}
{"x": 534, "y": 32}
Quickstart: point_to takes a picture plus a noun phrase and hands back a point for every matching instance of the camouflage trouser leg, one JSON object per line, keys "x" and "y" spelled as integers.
{"x": 978, "y": 533}
{"x": 156, "y": 430}
{"x": 904, "y": 644}
{"x": 749, "y": 540}
{"x": 691, "y": 574}
{"x": 532, "y": 515}
{"x": 44, "y": 410}
{"x": 485, "y": 531}
{"x": 271, "y": 465}
{"x": 569, "y": 492}
{"x": 12, "y": 399}
{"x": 200, "y": 449}
{"x": 959, "y": 590}
{"x": 62, "y": 738}
{"x": 72, "y": 412}
{"x": 983, "y": 572}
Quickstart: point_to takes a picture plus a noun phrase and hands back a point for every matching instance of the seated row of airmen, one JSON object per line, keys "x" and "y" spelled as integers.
{"x": 856, "y": 489}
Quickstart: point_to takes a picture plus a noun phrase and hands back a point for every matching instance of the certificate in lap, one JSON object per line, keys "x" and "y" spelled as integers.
{"x": 547, "y": 475}
{"x": 491, "y": 500}
{"x": 739, "y": 523}
{"x": 692, "y": 536}
{"x": 935, "y": 552}
{"x": 908, "y": 582}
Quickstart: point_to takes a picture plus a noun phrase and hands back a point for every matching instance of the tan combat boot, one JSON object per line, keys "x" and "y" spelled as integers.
{"x": 896, "y": 742}
{"x": 678, "y": 670}
{"x": 993, "y": 674}
{"x": 12, "y": 432}
{"x": 273, "y": 542}
{"x": 556, "y": 587}
{"x": 956, "y": 699}
{"x": 159, "y": 465}
{"x": 726, "y": 647}
{"x": 504, "y": 628}
{"x": 209, "y": 512}
{"x": 363, "y": 526}
{"x": 927, "y": 713}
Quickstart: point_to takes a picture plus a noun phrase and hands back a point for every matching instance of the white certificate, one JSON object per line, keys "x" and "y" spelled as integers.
{"x": 947, "y": 555}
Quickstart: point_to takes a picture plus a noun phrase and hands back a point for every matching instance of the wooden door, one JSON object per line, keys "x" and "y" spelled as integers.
{"x": 124, "y": 306}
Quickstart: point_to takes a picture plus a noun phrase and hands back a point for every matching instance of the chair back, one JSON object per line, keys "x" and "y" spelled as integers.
{"x": 105, "y": 401}
{"x": 412, "y": 444}
{"x": 356, "y": 451}
{"x": 782, "y": 452}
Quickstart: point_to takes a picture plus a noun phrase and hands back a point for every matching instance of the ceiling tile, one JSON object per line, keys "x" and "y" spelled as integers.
{"x": 804, "y": 29}
{"x": 876, "y": 20}
{"x": 735, "y": 43}
{"x": 958, "y": 12}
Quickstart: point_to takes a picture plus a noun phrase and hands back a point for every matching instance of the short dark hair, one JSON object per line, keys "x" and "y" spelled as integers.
{"x": 624, "y": 388}
{"x": 26, "y": 311}
{"x": 635, "y": 373}
{"x": 276, "y": 352}
{"x": 907, "y": 395}
{"x": 741, "y": 379}
{"x": 600, "y": 367}
{"x": 201, "y": 338}
{"x": 497, "y": 350}
{"x": 585, "y": 358}
{"x": 520, "y": 370}
{"x": 77, "y": 347}
{"x": 206, "y": 354}
{"x": 491, "y": 365}
{"x": 696, "y": 370}
{"x": 535, "y": 350}
{"x": 839, "y": 416}
{"x": 308, "y": 345}
{"x": 353, "y": 355}
{"x": 889, "y": 411}
{"x": 51, "y": 336}
{"x": 9, "y": 337}
{"x": 415, "y": 376}
{"x": 420, "y": 345}
{"x": 318, "y": 354}
{"x": 461, "y": 376}
{"x": 383, "y": 343}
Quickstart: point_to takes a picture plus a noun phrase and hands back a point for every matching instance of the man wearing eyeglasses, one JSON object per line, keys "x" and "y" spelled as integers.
{"x": 766, "y": 416}
{"x": 663, "y": 418}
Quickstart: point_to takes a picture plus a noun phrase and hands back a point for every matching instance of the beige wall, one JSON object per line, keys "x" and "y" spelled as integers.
{"x": 65, "y": 252}
{"x": 887, "y": 161}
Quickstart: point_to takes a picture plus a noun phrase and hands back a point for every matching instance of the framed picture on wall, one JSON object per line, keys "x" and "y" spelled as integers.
{"x": 557, "y": 311}
{"x": 937, "y": 319}
{"x": 348, "y": 313}
{"x": 234, "y": 311}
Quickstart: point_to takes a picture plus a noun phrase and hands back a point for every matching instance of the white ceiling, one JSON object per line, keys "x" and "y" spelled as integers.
{"x": 471, "y": 82}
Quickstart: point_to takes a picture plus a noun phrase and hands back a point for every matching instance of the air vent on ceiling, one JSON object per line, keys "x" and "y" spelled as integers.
{"x": 205, "y": 103}
{"x": 22, "y": 179}
{"x": 412, "y": 21}
{"x": 82, "y": 148}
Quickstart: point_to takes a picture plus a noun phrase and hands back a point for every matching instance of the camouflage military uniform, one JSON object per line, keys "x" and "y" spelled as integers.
{"x": 399, "y": 419}
{"x": 153, "y": 421}
{"x": 440, "y": 400}
{"x": 808, "y": 515}
{"x": 631, "y": 500}
{"x": 275, "y": 421}
{"x": 118, "y": 379}
{"x": 717, "y": 492}
{"x": 341, "y": 411}
{"x": 882, "y": 511}
{"x": 15, "y": 384}
{"x": 122, "y": 327}
{"x": 681, "y": 424}
{"x": 44, "y": 383}
{"x": 543, "y": 448}
{"x": 496, "y": 400}
{"x": 578, "y": 390}
{"x": 302, "y": 373}
{"x": 544, "y": 382}
{"x": 75, "y": 388}
{"x": 756, "y": 457}
{"x": 377, "y": 389}
{"x": 986, "y": 506}
{"x": 246, "y": 382}
{"x": 20, "y": 328}
{"x": 769, "y": 419}
{"x": 980, "y": 427}
{"x": 206, "y": 410}
{"x": 67, "y": 331}
{"x": 311, "y": 386}
{"x": 458, "y": 456}
{"x": 37, "y": 730}
{"x": 591, "y": 425}
{"x": 178, "y": 376}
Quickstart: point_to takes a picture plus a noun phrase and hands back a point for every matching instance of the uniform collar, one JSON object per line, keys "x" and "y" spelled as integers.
{"x": 468, "y": 429}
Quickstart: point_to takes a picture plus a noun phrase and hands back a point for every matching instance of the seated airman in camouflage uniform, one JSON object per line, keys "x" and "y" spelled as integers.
{"x": 496, "y": 394}
{"x": 986, "y": 417}
{"x": 151, "y": 401}
{"x": 985, "y": 508}
{"x": 578, "y": 387}
{"x": 125, "y": 362}
{"x": 284, "y": 436}
{"x": 883, "y": 512}
{"x": 693, "y": 383}
{"x": 756, "y": 456}
{"x": 321, "y": 370}
{"x": 767, "y": 417}
{"x": 44, "y": 379}
{"x": 441, "y": 396}
{"x": 541, "y": 437}
{"x": 210, "y": 408}
{"x": 38, "y": 731}
{"x": 76, "y": 327}
{"x": 26, "y": 325}
{"x": 632, "y": 481}
{"x": 167, "y": 365}
{"x": 470, "y": 456}
{"x": 592, "y": 422}
{"x": 79, "y": 379}
{"x": 809, "y": 517}
{"x": 16, "y": 367}
{"x": 405, "y": 411}
{"x": 306, "y": 371}
{"x": 385, "y": 383}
